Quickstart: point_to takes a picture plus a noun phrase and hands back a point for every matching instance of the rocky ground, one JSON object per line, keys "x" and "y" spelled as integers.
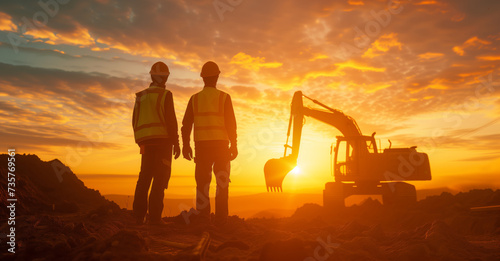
{"x": 60, "y": 219}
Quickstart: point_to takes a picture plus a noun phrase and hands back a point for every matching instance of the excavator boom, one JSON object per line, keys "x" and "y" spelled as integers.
{"x": 275, "y": 170}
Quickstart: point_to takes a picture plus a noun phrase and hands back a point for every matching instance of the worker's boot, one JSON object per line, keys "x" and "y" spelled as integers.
{"x": 157, "y": 222}
{"x": 140, "y": 220}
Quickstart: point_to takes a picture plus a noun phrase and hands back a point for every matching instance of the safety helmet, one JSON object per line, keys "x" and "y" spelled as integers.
{"x": 209, "y": 69}
{"x": 159, "y": 68}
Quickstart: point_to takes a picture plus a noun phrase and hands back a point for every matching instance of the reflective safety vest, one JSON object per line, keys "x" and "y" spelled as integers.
{"x": 208, "y": 108}
{"x": 149, "y": 114}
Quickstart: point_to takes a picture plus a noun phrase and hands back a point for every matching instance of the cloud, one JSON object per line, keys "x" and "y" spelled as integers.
{"x": 281, "y": 48}
{"x": 43, "y": 108}
{"x": 32, "y": 139}
{"x": 427, "y": 59}
{"x": 356, "y": 2}
{"x": 9, "y": 110}
{"x": 252, "y": 63}
{"x": 456, "y": 140}
{"x": 480, "y": 142}
{"x": 484, "y": 157}
{"x": 6, "y": 23}
{"x": 489, "y": 57}
{"x": 382, "y": 45}
{"x": 430, "y": 55}
{"x": 471, "y": 42}
{"x": 358, "y": 66}
{"x": 427, "y": 2}
{"x": 79, "y": 37}
{"x": 91, "y": 93}
{"x": 246, "y": 92}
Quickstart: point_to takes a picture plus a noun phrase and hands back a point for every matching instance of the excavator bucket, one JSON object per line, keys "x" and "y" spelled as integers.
{"x": 275, "y": 171}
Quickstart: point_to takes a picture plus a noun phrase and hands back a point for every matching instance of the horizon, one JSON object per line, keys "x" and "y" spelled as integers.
{"x": 182, "y": 192}
{"x": 261, "y": 203}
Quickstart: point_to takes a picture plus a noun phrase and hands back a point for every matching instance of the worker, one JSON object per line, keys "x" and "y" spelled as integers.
{"x": 211, "y": 112}
{"x": 156, "y": 133}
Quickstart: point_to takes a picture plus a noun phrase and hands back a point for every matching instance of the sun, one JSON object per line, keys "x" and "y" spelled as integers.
{"x": 296, "y": 171}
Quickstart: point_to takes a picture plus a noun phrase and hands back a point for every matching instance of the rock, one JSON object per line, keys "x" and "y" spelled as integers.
{"x": 444, "y": 242}
{"x": 371, "y": 203}
{"x": 62, "y": 248}
{"x": 352, "y": 229}
{"x": 233, "y": 244}
{"x": 414, "y": 252}
{"x": 365, "y": 246}
{"x": 39, "y": 247}
{"x": 127, "y": 241}
{"x": 90, "y": 240}
{"x": 69, "y": 227}
{"x": 376, "y": 232}
{"x": 72, "y": 243}
{"x": 66, "y": 207}
{"x": 81, "y": 230}
{"x": 308, "y": 211}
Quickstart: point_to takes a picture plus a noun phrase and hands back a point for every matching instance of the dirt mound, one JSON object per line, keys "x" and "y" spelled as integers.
{"x": 43, "y": 186}
{"x": 56, "y": 213}
{"x": 286, "y": 250}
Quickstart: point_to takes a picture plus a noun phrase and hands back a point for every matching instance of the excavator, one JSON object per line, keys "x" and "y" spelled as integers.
{"x": 359, "y": 167}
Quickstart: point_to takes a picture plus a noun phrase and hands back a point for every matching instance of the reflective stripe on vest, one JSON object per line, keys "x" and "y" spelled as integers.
{"x": 208, "y": 108}
{"x": 149, "y": 114}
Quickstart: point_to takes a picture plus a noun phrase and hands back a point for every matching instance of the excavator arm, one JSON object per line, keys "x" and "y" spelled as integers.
{"x": 275, "y": 170}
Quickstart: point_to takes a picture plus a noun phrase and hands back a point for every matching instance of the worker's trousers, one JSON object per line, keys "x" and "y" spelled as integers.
{"x": 212, "y": 157}
{"x": 156, "y": 165}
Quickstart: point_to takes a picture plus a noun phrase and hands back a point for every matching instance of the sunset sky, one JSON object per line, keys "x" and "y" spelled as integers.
{"x": 420, "y": 73}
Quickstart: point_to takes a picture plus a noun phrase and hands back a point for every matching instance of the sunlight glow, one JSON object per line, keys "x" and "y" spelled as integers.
{"x": 296, "y": 171}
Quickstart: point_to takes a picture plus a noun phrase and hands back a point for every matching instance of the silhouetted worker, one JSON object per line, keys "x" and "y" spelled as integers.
{"x": 155, "y": 131}
{"x": 211, "y": 112}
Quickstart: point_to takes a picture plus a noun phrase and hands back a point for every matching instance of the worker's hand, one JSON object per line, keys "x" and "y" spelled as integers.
{"x": 177, "y": 151}
{"x": 187, "y": 152}
{"x": 234, "y": 152}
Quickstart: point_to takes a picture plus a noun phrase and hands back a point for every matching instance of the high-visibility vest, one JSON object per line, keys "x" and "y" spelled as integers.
{"x": 208, "y": 108}
{"x": 149, "y": 114}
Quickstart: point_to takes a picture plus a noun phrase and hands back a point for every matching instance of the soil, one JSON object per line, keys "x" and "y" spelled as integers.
{"x": 61, "y": 219}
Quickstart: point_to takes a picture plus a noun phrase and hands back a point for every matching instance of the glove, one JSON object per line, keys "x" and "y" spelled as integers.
{"x": 177, "y": 151}
{"x": 233, "y": 150}
{"x": 187, "y": 152}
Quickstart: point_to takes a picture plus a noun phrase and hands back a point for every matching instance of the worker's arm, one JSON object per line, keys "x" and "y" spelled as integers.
{"x": 230, "y": 120}
{"x": 171, "y": 119}
{"x": 133, "y": 116}
{"x": 187, "y": 123}
{"x": 187, "y": 126}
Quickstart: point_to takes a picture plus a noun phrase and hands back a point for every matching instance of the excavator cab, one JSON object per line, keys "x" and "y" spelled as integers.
{"x": 349, "y": 152}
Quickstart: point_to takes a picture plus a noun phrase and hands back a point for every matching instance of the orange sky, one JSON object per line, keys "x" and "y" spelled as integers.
{"x": 422, "y": 73}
